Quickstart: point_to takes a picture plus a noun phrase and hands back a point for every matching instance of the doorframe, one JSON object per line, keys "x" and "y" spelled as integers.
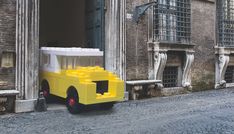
{"x": 115, "y": 37}
{"x": 27, "y": 44}
{"x": 27, "y": 48}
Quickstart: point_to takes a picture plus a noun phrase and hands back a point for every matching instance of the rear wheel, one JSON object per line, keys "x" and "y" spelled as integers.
{"x": 72, "y": 102}
{"x": 45, "y": 90}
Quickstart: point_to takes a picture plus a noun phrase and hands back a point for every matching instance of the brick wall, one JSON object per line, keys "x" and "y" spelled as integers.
{"x": 137, "y": 58}
{"x": 203, "y": 35}
{"x": 7, "y": 40}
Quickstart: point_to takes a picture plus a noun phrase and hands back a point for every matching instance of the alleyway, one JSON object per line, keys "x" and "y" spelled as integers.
{"x": 210, "y": 112}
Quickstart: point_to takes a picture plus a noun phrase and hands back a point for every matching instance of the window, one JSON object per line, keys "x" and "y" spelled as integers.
{"x": 89, "y": 61}
{"x": 170, "y": 76}
{"x": 229, "y": 74}
{"x": 82, "y": 61}
{"x": 45, "y": 59}
{"x": 225, "y": 16}
{"x": 172, "y": 21}
{"x": 68, "y": 63}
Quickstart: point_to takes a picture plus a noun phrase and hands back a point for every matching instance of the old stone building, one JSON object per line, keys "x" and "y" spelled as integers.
{"x": 174, "y": 42}
{"x": 159, "y": 47}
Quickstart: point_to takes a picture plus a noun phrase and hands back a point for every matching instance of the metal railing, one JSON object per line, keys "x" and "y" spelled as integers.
{"x": 172, "y": 21}
{"x": 225, "y": 19}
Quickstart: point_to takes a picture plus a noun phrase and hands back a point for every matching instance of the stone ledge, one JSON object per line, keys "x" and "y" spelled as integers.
{"x": 141, "y": 82}
{"x": 211, "y": 1}
{"x": 224, "y": 50}
{"x": 174, "y": 91}
{"x": 8, "y": 92}
{"x": 166, "y": 46}
{"x": 22, "y": 106}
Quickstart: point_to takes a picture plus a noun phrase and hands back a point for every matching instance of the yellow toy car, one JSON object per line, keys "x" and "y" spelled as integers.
{"x": 75, "y": 75}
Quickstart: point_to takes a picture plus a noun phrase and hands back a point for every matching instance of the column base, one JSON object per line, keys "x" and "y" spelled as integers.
{"x": 22, "y": 106}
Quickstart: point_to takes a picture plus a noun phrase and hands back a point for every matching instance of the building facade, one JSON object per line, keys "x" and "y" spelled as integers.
{"x": 174, "y": 42}
{"x": 186, "y": 44}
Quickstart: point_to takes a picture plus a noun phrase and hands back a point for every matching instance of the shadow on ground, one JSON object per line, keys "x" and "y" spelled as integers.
{"x": 57, "y": 103}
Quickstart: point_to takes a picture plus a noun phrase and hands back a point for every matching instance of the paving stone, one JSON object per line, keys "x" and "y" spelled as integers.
{"x": 209, "y": 112}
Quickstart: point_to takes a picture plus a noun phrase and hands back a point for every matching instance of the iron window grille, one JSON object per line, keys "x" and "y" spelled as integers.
{"x": 229, "y": 75}
{"x": 225, "y": 19}
{"x": 172, "y": 21}
{"x": 170, "y": 76}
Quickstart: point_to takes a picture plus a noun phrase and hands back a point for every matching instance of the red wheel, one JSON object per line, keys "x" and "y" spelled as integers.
{"x": 72, "y": 102}
{"x": 45, "y": 90}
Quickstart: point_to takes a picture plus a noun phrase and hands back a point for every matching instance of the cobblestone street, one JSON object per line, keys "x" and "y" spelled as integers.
{"x": 209, "y": 112}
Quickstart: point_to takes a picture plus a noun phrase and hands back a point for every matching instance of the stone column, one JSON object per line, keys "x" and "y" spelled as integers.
{"x": 122, "y": 42}
{"x": 27, "y": 53}
{"x": 112, "y": 35}
{"x": 115, "y": 40}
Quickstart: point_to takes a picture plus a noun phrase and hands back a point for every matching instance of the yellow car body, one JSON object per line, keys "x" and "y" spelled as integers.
{"x": 84, "y": 80}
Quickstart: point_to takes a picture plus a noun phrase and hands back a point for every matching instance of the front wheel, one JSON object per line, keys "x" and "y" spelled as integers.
{"x": 72, "y": 103}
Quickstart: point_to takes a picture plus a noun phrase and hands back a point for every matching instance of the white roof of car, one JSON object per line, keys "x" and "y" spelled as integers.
{"x": 74, "y": 51}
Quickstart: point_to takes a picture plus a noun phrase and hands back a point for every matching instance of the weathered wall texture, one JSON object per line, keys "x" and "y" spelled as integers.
{"x": 7, "y": 40}
{"x": 203, "y": 35}
{"x": 137, "y": 53}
